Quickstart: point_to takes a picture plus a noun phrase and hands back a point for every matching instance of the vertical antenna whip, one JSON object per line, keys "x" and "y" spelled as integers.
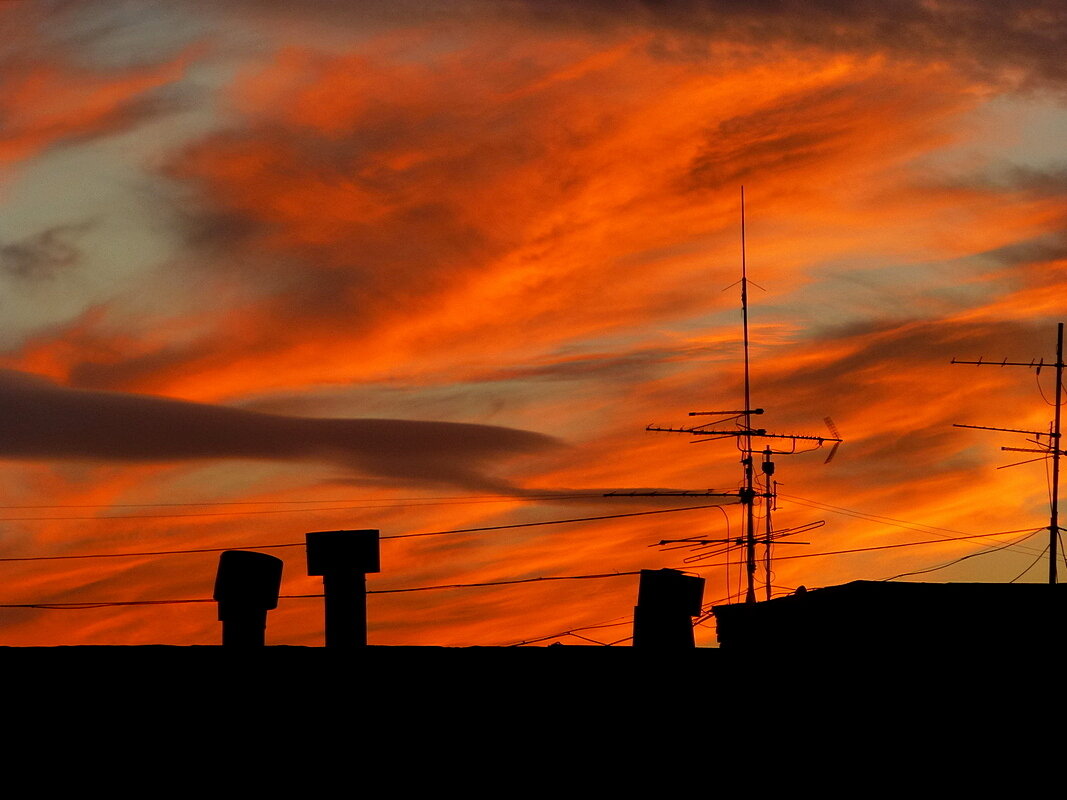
{"x": 744, "y": 312}
{"x": 750, "y": 490}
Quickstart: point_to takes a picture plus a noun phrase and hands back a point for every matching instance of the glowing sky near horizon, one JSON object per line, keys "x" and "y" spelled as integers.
{"x": 521, "y": 216}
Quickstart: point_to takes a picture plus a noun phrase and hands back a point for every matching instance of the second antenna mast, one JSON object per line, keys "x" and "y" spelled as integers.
{"x": 1053, "y": 449}
{"x": 745, "y": 433}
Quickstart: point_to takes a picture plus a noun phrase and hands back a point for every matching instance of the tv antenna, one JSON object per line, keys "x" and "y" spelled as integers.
{"x": 1048, "y": 442}
{"x": 751, "y": 441}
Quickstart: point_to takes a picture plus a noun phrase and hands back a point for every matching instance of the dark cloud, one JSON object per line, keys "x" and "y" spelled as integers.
{"x": 989, "y": 38}
{"x": 879, "y": 352}
{"x": 1024, "y": 38}
{"x": 416, "y": 243}
{"x": 1038, "y": 182}
{"x": 133, "y": 113}
{"x": 43, "y": 255}
{"x": 928, "y": 341}
{"x": 41, "y": 420}
{"x": 1031, "y": 252}
{"x": 639, "y": 365}
{"x": 98, "y": 34}
{"x": 1030, "y": 185}
{"x": 136, "y": 369}
{"x": 795, "y": 131}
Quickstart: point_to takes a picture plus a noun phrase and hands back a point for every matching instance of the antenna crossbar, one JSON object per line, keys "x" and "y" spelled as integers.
{"x": 670, "y": 494}
{"x": 1050, "y": 451}
{"x": 725, "y": 413}
{"x": 735, "y": 541}
{"x": 819, "y": 439}
{"x": 759, "y": 433}
{"x": 1053, "y": 434}
{"x": 1039, "y": 363}
{"x": 706, "y": 432}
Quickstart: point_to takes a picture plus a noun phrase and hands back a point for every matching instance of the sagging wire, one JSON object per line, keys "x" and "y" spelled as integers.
{"x": 1032, "y": 565}
{"x": 966, "y": 557}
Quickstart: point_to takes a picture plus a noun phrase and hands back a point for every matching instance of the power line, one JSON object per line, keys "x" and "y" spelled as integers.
{"x": 152, "y": 552}
{"x": 963, "y": 558}
{"x": 890, "y": 521}
{"x": 1032, "y": 565}
{"x": 103, "y": 604}
{"x": 610, "y": 624}
{"x": 506, "y": 583}
{"x": 903, "y": 523}
{"x": 89, "y": 605}
{"x": 1028, "y": 531}
{"x": 849, "y": 551}
{"x": 267, "y": 511}
{"x": 395, "y": 536}
{"x": 79, "y": 606}
{"x": 587, "y": 639}
{"x": 552, "y": 522}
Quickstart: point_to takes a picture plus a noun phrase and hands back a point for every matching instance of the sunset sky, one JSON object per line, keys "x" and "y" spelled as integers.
{"x": 269, "y": 268}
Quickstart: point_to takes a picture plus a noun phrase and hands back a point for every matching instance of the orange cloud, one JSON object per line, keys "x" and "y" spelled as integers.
{"x": 49, "y": 104}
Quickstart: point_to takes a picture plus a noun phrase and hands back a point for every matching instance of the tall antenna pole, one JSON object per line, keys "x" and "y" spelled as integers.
{"x": 1054, "y": 521}
{"x": 744, "y": 313}
{"x": 749, "y": 496}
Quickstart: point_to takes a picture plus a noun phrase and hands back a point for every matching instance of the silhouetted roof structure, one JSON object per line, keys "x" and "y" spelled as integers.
{"x": 898, "y": 617}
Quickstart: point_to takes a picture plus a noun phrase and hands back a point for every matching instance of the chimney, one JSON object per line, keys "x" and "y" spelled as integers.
{"x": 667, "y": 600}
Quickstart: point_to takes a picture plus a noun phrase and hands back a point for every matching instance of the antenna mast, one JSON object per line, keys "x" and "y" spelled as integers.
{"x": 745, "y": 433}
{"x": 1054, "y": 447}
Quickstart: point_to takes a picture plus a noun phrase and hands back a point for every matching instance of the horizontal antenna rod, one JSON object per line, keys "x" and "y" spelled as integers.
{"x": 706, "y": 432}
{"x": 1039, "y": 363}
{"x": 1050, "y": 451}
{"x": 722, "y": 413}
{"x": 670, "y": 494}
{"x": 1006, "y": 430}
{"x": 737, "y": 540}
{"x": 760, "y": 433}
